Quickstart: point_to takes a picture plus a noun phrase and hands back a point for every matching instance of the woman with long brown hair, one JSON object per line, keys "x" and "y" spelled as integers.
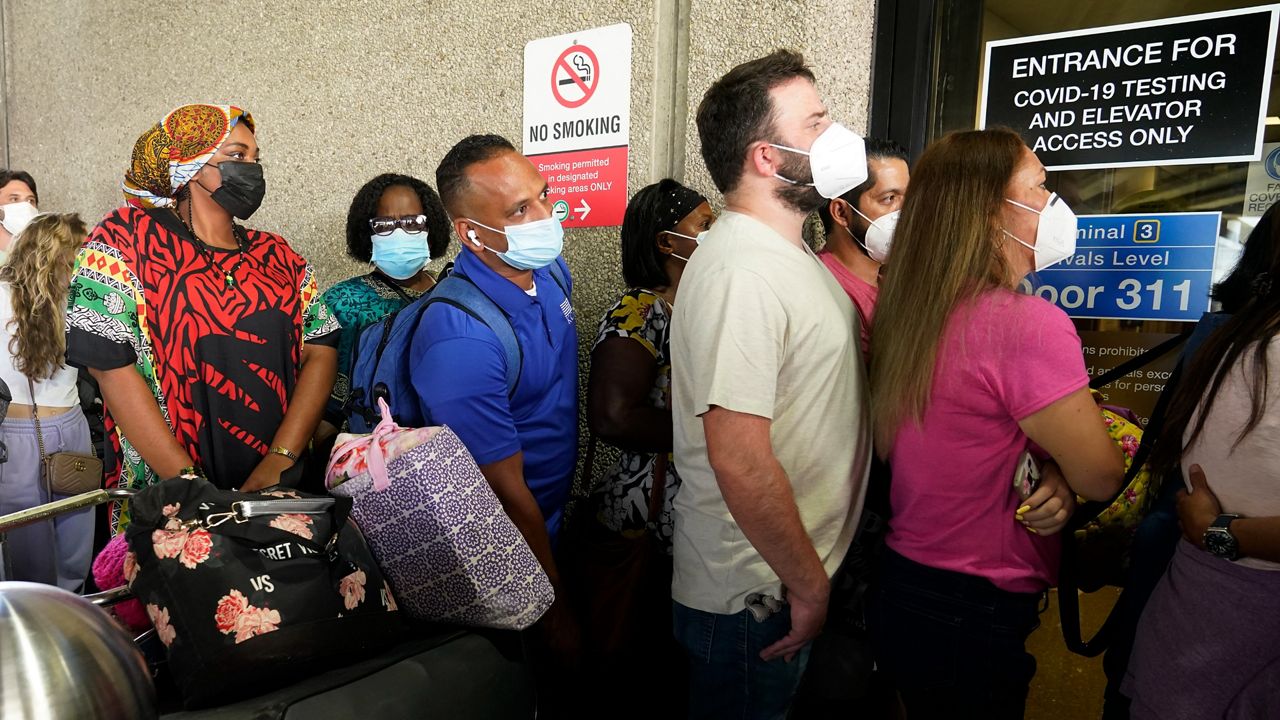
{"x": 1208, "y": 644}
{"x": 33, "y": 327}
{"x": 967, "y": 376}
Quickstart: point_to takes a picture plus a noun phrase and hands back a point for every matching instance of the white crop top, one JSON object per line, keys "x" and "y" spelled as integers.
{"x": 57, "y": 391}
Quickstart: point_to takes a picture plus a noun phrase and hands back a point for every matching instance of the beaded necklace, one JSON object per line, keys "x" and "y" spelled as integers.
{"x": 242, "y": 242}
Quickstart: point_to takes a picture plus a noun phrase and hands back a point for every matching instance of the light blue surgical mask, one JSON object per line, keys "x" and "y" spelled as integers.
{"x": 530, "y": 246}
{"x": 400, "y": 254}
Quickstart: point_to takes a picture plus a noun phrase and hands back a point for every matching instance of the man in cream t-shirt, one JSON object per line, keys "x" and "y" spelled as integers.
{"x": 769, "y": 395}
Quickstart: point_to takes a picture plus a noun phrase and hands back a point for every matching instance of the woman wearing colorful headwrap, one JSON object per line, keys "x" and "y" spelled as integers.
{"x": 629, "y": 406}
{"x": 212, "y": 348}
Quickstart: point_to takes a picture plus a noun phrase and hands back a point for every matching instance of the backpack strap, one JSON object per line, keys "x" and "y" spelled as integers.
{"x": 458, "y": 290}
{"x": 557, "y": 274}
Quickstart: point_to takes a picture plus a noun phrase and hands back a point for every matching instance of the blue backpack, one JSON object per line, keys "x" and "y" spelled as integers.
{"x": 380, "y": 354}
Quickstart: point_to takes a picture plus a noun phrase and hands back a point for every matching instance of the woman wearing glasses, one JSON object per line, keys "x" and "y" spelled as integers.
{"x": 397, "y": 223}
{"x": 208, "y": 339}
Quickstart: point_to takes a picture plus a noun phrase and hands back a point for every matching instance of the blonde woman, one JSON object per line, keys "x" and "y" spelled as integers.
{"x": 966, "y": 376}
{"x": 33, "y": 332}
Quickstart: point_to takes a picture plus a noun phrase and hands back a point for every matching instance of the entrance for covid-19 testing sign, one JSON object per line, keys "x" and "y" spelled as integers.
{"x": 1177, "y": 91}
{"x": 577, "y": 121}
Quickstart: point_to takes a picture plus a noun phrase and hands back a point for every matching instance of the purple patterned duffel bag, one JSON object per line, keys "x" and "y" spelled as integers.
{"x": 436, "y": 527}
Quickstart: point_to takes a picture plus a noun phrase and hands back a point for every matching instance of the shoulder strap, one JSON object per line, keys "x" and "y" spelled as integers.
{"x": 458, "y": 290}
{"x": 390, "y": 285}
{"x": 35, "y": 415}
{"x": 557, "y": 274}
{"x": 1068, "y": 583}
{"x": 1141, "y": 360}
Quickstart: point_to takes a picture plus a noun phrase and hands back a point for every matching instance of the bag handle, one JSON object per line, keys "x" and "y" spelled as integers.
{"x": 1069, "y": 610}
{"x": 374, "y": 456}
{"x": 282, "y": 506}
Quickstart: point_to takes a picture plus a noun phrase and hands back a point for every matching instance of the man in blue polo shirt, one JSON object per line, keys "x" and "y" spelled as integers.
{"x": 526, "y": 442}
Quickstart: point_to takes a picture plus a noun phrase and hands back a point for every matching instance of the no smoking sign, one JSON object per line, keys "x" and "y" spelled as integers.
{"x": 577, "y": 121}
{"x": 575, "y": 76}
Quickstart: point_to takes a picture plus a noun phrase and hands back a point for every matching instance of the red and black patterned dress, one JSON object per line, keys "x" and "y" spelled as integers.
{"x": 221, "y": 359}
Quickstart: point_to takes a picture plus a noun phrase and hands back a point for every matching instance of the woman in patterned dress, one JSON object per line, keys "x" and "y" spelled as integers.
{"x": 629, "y": 402}
{"x": 211, "y": 345}
{"x": 628, "y": 399}
{"x": 396, "y": 222}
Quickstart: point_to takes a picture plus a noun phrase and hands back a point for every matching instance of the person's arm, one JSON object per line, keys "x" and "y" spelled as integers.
{"x": 1258, "y": 537}
{"x": 758, "y": 494}
{"x": 619, "y": 411}
{"x": 137, "y": 414}
{"x": 1071, "y": 431}
{"x": 316, "y": 371}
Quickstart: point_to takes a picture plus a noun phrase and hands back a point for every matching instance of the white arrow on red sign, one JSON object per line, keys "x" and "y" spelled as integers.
{"x": 584, "y": 209}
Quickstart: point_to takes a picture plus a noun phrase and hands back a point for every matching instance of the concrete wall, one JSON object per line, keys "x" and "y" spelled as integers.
{"x": 344, "y": 90}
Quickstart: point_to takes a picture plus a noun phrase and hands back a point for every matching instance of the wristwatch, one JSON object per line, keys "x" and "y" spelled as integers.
{"x": 1218, "y": 539}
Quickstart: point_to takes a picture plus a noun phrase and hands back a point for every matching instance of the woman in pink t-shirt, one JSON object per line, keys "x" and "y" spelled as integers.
{"x": 971, "y": 376}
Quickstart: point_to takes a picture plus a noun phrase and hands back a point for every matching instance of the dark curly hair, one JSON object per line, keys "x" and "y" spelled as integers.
{"x": 364, "y": 207}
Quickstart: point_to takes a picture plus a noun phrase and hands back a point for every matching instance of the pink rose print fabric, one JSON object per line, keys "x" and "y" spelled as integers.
{"x": 352, "y": 589}
{"x": 297, "y": 524}
{"x": 235, "y": 615}
{"x": 160, "y": 618}
{"x": 191, "y": 546}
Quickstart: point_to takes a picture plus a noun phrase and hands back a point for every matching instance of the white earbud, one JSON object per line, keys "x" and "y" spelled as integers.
{"x": 471, "y": 235}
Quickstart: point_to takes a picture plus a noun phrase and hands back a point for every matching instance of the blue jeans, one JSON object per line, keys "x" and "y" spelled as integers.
{"x": 727, "y": 678}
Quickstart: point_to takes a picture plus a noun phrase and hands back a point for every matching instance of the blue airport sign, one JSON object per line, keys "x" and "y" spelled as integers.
{"x": 1135, "y": 267}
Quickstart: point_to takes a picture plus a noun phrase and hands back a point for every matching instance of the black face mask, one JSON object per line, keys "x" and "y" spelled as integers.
{"x": 243, "y": 188}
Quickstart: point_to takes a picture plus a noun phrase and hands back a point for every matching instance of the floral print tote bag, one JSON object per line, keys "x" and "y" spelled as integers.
{"x": 250, "y": 591}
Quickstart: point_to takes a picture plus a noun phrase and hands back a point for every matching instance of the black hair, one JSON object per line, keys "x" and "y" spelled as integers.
{"x": 642, "y": 263}
{"x": 8, "y": 176}
{"x": 877, "y": 149}
{"x": 1251, "y": 294}
{"x": 737, "y": 111}
{"x": 1236, "y": 289}
{"x": 364, "y": 207}
{"x": 451, "y": 174}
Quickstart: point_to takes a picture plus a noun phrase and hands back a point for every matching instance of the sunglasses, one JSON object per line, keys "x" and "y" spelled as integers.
{"x": 408, "y": 223}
